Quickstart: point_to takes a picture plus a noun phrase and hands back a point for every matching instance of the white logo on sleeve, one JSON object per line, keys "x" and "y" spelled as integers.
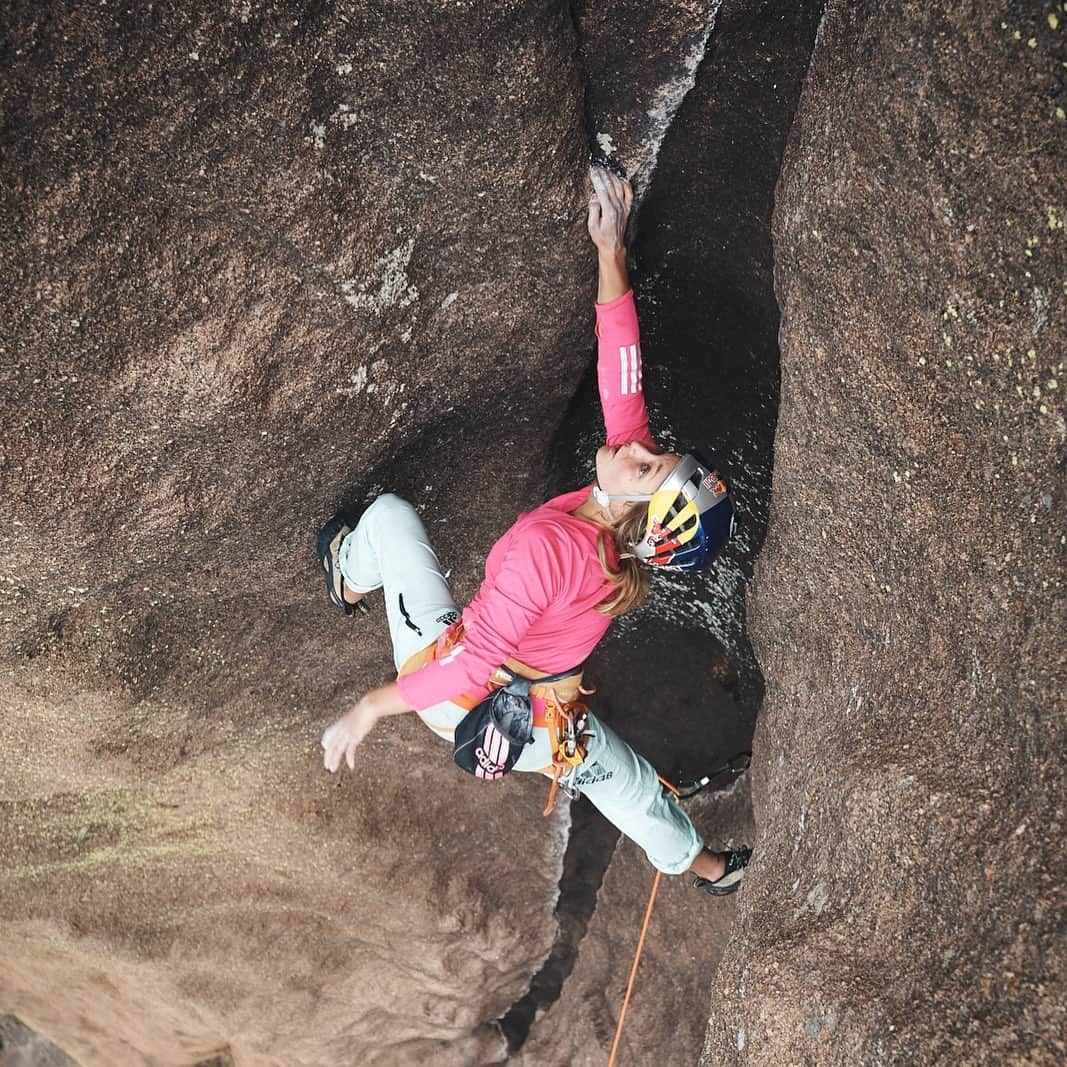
{"x": 629, "y": 369}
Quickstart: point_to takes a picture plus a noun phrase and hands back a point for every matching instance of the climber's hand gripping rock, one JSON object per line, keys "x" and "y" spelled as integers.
{"x": 609, "y": 210}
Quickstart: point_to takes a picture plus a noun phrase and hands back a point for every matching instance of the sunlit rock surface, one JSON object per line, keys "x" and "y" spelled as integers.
{"x": 258, "y": 260}
{"x": 908, "y": 604}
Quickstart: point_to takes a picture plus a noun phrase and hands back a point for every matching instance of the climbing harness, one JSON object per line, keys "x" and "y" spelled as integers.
{"x": 736, "y": 764}
{"x": 568, "y": 738}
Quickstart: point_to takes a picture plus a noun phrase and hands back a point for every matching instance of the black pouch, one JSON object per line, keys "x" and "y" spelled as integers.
{"x": 492, "y": 735}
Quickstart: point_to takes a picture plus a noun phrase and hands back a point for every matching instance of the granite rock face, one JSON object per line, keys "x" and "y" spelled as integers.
{"x": 259, "y": 261}
{"x": 262, "y": 260}
{"x": 907, "y": 611}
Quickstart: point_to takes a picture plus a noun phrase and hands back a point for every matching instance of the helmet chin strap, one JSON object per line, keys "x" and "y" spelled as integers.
{"x": 605, "y": 500}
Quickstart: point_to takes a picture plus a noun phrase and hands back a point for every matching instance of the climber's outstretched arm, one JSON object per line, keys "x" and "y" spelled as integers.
{"x": 609, "y": 211}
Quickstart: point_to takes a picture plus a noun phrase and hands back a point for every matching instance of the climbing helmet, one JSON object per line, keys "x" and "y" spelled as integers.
{"x": 690, "y": 518}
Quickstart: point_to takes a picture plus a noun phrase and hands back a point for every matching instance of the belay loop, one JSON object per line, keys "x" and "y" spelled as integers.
{"x": 568, "y": 734}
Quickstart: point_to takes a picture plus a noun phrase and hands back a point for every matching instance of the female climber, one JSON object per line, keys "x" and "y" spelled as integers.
{"x": 552, "y": 585}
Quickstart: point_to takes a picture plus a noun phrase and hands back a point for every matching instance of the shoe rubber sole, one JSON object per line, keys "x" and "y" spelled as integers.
{"x": 327, "y": 546}
{"x": 732, "y": 878}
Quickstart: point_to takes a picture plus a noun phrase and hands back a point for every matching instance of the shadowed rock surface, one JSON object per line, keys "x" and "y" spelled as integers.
{"x": 260, "y": 261}
{"x": 687, "y": 933}
{"x": 906, "y": 902}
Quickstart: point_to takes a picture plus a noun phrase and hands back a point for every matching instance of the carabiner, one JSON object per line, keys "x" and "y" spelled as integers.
{"x": 736, "y": 764}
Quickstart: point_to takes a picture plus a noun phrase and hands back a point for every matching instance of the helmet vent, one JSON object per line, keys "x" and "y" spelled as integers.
{"x": 690, "y": 517}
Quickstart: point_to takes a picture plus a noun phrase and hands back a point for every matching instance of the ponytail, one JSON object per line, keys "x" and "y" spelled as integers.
{"x": 629, "y": 584}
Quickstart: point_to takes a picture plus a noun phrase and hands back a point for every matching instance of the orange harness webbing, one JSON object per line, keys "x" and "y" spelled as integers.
{"x": 454, "y": 636}
{"x": 567, "y": 723}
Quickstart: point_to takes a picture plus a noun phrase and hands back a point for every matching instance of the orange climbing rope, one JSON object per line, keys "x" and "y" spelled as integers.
{"x": 640, "y": 944}
{"x": 633, "y": 970}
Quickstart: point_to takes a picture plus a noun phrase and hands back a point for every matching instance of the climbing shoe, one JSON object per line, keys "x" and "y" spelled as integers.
{"x": 730, "y": 882}
{"x": 327, "y": 545}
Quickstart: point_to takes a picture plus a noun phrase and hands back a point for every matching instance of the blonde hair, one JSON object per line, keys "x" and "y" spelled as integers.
{"x": 630, "y": 582}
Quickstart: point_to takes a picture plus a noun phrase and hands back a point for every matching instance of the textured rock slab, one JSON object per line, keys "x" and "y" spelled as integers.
{"x": 21, "y": 1046}
{"x": 257, "y": 261}
{"x": 908, "y": 606}
{"x": 252, "y": 259}
{"x": 183, "y": 910}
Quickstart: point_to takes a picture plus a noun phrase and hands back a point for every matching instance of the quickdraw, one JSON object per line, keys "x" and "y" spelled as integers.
{"x": 736, "y": 764}
{"x": 568, "y": 734}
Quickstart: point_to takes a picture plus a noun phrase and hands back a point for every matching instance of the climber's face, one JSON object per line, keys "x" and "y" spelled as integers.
{"x": 633, "y": 469}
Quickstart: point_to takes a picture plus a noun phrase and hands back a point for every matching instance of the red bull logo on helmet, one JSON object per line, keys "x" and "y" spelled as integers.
{"x": 657, "y": 533}
{"x": 714, "y": 483}
{"x": 663, "y": 539}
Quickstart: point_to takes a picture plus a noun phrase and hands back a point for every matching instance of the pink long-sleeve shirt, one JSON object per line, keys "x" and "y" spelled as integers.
{"x": 543, "y": 578}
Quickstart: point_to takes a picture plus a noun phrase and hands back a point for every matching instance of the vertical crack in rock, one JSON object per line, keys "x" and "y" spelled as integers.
{"x": 710, "y": 317}
{"x": 583, "y": 74}
{"x": 592, "y": 840}
{"x": 710, "y": 323}
{"x": 639, "y": 62}
{"x": 667, "y": 102}
{"x": 589, "y": 850}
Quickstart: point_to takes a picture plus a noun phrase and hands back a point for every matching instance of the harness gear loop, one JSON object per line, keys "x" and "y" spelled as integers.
{"x": 568, "y": 731}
